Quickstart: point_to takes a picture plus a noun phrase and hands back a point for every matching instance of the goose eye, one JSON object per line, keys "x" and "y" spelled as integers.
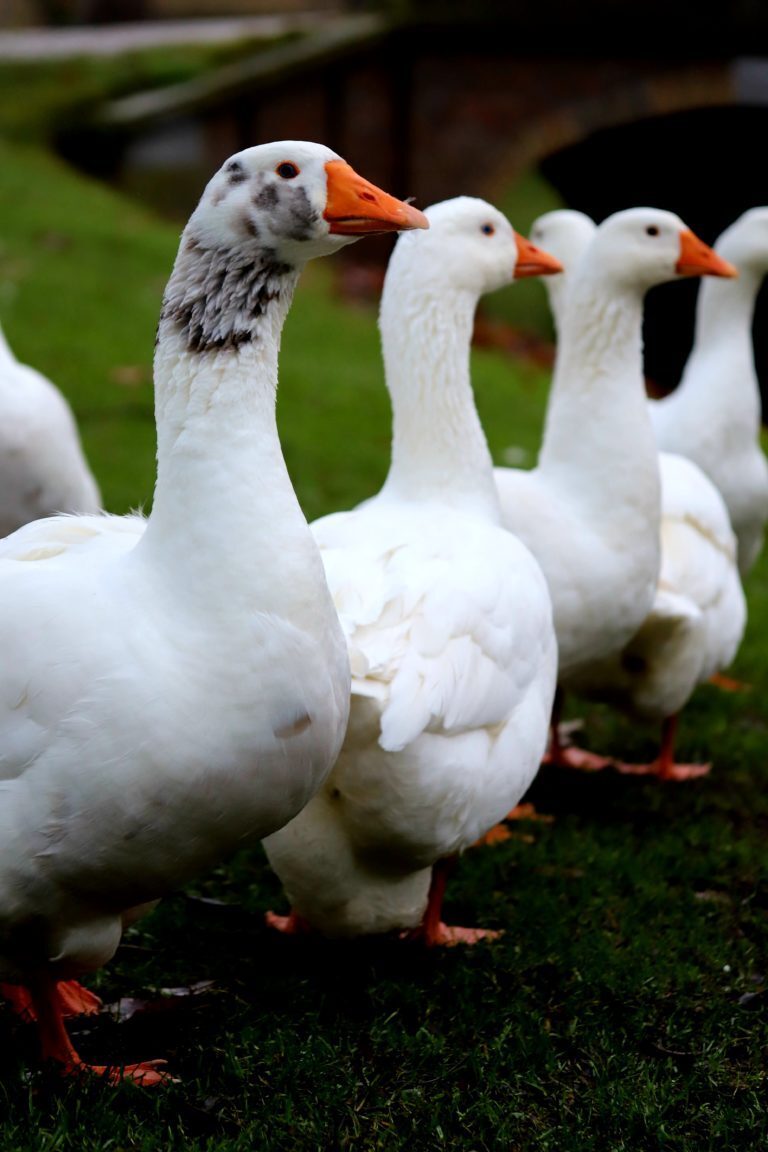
{"x": 652, "y": 230}
{"x": 287, "y": 170}
{"x": 487, "y": 229}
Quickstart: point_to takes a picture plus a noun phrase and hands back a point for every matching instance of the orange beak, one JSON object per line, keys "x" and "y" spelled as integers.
{"x": 357, "y": 208}
{"x": 698, "y": 259}
{"x": 533, "y": 261}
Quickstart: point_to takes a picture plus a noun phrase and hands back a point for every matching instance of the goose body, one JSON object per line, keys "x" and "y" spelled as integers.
{"x": 698, "y": 613}
{"x": 447, "y": 617}
{"x": 590, "y": 511}
{"x": 176, "y": 687}
{"x": 43, "y": 469}
{"x": 697, "y": 618}
{"x": 714, "y": 415}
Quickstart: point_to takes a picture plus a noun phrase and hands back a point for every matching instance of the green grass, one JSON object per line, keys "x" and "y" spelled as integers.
{"x": 625, "y": 1007}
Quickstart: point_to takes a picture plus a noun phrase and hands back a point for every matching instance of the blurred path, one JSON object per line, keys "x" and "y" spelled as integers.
{"x": 112, "y": 39}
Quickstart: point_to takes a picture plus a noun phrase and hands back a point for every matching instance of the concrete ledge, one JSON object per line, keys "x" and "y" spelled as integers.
{"x": 327, "y": 42}
{"x": 117, "y": 39}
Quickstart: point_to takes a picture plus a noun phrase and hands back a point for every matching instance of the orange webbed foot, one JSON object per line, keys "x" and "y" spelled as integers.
{"x": 290, "y": 925}
{"x": 57, "y": 1049}
{"x": 662, "y": 771}
{"x": 74, "y": 1000}
{"x": 147, "y": 1074}
{"x": 496, "y": 835}
{"x": 499, "y": 833}
{"x": 528, "y": 812}
{"x": 728, "y": 683}
{"x": 445, "y": 935}
{"x": 577, "y": 759}
{"x": 448, "y": 935}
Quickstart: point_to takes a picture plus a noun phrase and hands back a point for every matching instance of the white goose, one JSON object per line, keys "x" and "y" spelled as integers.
{"x": 447, "y": 617}
{"x": 590, "y": 511}
{"x": 714, "y": 415}
{"x": 695, "y": 624}
{"x": 174, "y": 687}
{"x": 698, "y": 615}
{"x": 43, "y": 468}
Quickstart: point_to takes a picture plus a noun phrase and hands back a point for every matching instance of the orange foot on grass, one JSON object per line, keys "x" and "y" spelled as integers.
{"x": 500, "y": 833}
{"x": 577, "y": 759}
{"x": 56, "y": 1046}
{"x": 496, "y": 835}
{"x": 665, "y": 767}
{"x": 664, "y": 771}
{"x": 528, "y": 812}
{"x": 728, "y": 684}
{"x": 290, "y": 925}
{"x": 75, "y": 1000}
{"x": 145, "y": 1075}
{"x": 444, "y": 935}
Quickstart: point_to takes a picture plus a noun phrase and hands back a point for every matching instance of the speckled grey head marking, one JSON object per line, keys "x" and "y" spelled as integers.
{"x": 266, "y": 197}
{"x": 302, "y": 214}
{"x": 287, "y": 205}
{"x": 235, "y": 172}
{"x": 215, "y": 295}
{"x": 217, "y": 292}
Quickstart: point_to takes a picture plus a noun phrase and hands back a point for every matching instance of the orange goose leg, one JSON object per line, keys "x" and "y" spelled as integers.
{"x": 432, "y": 931}
{"x": 56, "y": 1045}
{"x": 664, "y": 767}
{"x": 74, "y": 1000}
{"x": 569, "y": 755}
{"x": 290, "y": 925}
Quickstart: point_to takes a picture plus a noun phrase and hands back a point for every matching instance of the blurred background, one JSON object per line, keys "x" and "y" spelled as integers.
{"x": 532, "y": 104}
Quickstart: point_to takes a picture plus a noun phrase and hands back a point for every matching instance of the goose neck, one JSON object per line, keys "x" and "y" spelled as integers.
{"x": 439, "y": 449}
{"x": 598, "y": 436}
{"x": 224, "y": 508}
{"x": 720, "y": 373}
{"x": 6, "y": 355}
{"x": 726, "y": 306}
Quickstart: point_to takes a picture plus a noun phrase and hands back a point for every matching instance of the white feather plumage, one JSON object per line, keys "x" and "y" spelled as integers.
{"x": 447, "y": 616}
{"x": 176, "y": 687}
{"x": 697, "y": 616}
{"x": 714, "y": 415}
{"x": 43, "y": 469}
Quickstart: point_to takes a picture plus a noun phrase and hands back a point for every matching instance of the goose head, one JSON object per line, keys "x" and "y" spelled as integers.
{"x": 642, "y": 247}
{"x": 470, "y": 247}
{"x": 296, "y": 200}
{"x": 261, "y": 217}
{"x": 564, "y": 233}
